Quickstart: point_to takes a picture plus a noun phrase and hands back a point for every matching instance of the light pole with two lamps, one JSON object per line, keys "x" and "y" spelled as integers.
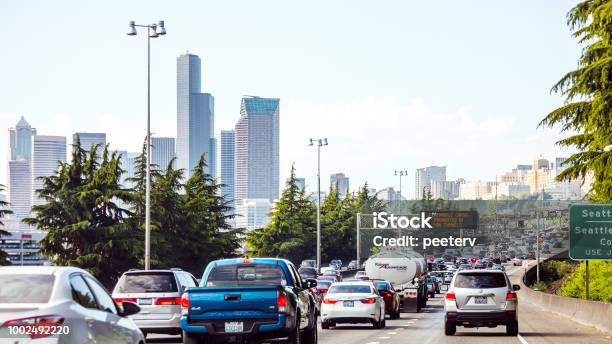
{"x": 153, "y": 31}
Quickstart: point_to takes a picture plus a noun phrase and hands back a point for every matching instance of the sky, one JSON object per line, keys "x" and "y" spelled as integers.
{"x": 391, "y": 84}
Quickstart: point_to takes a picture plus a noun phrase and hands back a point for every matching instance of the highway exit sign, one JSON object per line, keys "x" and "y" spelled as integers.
{"x": 590, "y": 231}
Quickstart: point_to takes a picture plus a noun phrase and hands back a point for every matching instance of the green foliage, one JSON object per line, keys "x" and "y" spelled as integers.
{"x": 542, "y": 285}
{"x": 588, "y": 92}
{"x": 3, "y": 212}
{"x": 85, "y": 224}
{"x": 600, "y": 279}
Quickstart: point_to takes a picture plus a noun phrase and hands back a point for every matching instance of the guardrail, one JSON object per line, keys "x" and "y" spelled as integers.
{"x": 589, "y": 313}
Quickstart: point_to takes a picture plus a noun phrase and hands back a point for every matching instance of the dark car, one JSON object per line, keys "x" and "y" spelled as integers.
{"x": 392, "y": 299}
{"x": 307, "y": 272}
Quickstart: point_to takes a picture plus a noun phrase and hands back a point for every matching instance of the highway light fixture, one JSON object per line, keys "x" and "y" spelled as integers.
{"x": 400, "y": 173}
{"x": 319, "y": 143}
{"x": 153, "y": 31}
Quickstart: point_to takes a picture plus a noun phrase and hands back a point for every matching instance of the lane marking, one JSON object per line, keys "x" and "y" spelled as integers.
{"x": 521, "y": 339}
{"x": 391, "y": 332}
{"x": 372, "y": 343}
{"x": 384, "y": 337}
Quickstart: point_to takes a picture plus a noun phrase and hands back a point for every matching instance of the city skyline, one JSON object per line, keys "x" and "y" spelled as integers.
{"x": 324, "y": 91}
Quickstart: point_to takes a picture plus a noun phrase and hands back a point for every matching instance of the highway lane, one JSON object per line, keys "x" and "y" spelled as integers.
{"x": 536, "y": 326}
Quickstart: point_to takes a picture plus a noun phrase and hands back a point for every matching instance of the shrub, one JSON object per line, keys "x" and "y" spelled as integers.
{"x": 600, "y": 279}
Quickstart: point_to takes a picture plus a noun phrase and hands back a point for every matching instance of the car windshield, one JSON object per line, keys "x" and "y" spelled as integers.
{"x": 347, "y": 288}
{"x": 22, "y": 288}
{"x": 480, "y": 280}
{"x": 147, "y": 282}
{"x": 383, "y": 286}
{"x": 307, "y": 272}
{"x": 235, "y": 275}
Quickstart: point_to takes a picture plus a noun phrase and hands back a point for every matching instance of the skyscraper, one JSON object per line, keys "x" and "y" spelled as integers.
{"x": 162, "y": 151}
{"x": 227, "y": 171}
{"x": 19, "y": 188}
{"x": 20, "y": 141}
{"x": 47, "y": 152}
{"x": 89, "y": 140}
{"x": 128, "y": 164}
{"x": 340, "y": 183}
{"x": 257, "y": 149}
{"x": 425, "y": 176}
{"x": 195, "y": 116}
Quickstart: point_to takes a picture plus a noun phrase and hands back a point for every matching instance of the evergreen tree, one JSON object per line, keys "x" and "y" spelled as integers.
{"x": 588, "y": 92}
{"x": 3, "y": 212}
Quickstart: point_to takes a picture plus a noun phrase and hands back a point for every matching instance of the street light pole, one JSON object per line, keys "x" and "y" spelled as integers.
{"x": 153, "y": 31}
{"x": 400, "y": 173}
{"x": 320, "y": 143}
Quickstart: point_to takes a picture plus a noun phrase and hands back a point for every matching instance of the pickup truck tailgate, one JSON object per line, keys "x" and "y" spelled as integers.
{"x": 233, "y": 302}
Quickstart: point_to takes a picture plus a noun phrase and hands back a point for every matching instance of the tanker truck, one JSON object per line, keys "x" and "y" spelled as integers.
{"x": 406, "y": 270}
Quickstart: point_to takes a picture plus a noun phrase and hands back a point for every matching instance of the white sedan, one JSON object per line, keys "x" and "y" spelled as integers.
{"x": 62, "y": 304}
{"x": 352, "y": 303}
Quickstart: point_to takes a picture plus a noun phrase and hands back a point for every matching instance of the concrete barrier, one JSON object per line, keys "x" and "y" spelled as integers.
{"x": 589, "y": 313}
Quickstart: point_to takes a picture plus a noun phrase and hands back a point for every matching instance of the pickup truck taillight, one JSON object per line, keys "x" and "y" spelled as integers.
{"x": 185, "y": 301}
{"x": 450, "y": 295}
{"x": 511, "y": 296}
{"x": 281, "y": 301}
{"x": 37, "y": 327}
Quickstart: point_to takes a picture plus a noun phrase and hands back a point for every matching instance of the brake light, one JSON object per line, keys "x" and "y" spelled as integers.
{"x": 329, "y": 301}
{"x": 511, "y": 296}
{"x": 120, "y": 300}
{"x": 450, "y": 295}
{"x": 281, "y": 302}
{"x": 246, "y": 261}
{"x": 167, "y": 301}
{"x": 412, "y": 293}
{"x": 185, "y": 301}
{"x": 37, "y": 327}
{"x": 370, "y": 300}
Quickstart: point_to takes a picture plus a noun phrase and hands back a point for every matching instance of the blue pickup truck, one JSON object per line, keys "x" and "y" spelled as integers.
{"x": 247, "y": 300}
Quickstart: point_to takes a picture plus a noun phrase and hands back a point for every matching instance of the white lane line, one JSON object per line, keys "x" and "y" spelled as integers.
{"x": 384, "y": 337}
{"x": 372, "y": 343}
{"x": 521, "y": 339}
{"x": 391, "y": 332}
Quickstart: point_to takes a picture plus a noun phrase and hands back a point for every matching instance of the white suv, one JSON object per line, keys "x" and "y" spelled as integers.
{"x": 479, "y": 298}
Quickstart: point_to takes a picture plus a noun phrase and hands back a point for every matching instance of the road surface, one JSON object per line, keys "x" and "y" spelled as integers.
{"x": 536, "y": 326}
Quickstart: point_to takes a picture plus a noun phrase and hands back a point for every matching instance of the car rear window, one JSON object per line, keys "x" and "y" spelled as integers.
{"x": 307, "y": 272}
{"x": 22, "y": 288}
{"x": 358, "y": 289}
{"x": 383, "y": 286}
{"x": 480, "y": 280}
{"x": 235, "y": 275}
{"x": 323, "y": 284}
{"x": 147, "y": 282}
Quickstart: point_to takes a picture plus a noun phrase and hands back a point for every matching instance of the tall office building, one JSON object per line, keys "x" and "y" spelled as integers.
{"x": 425, "y": 176}
{"x": 340, "y": 183}
{"x": 19, "y": 187}
{"x": 89, "y": 140}
{"x": 162, "y": 151}
{"x": 253, "y": 213}
{"x": 257, "y": 149}
{"x": 20, "y": 141}
{"x": 227, "y": 171}
{"x": 128, "y": 164}
{"x": 47, "y": 153}
{"x": 195, "y": 116}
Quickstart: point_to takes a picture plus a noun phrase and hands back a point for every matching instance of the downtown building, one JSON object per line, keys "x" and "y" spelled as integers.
{"x": 195, "y": 117}
{"x": 47, "y": 154}
{"x": 257, "y": 150}
{"x": 162, "y": 152}
{"x": 424, "y": 177}
{"x": 227, "y": 170}
{"x": 340, "y": 183}
{"x": 19, "y": 188}
{"x": 253, "y": 213}
{"x": 89, "y": 140}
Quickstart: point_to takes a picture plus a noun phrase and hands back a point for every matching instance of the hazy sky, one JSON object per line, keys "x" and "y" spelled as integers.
{"x": 391, "y": 84}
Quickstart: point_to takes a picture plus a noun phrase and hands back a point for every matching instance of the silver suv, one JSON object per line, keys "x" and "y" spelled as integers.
{"x": 479, "y": 298}
{"x": 158, "y": 293}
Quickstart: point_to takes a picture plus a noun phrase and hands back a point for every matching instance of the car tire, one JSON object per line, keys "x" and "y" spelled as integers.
{"x": 325, "y": 325}
{"x": 310, "y": 335}
{"x": 295, "y": 337}
{"x": 376, "y": 324}
{"x": 383, "y": 324}
{"x": 190, "y": 338}
{"x": 450, "y": 328}
{"x": 512, "y": 328}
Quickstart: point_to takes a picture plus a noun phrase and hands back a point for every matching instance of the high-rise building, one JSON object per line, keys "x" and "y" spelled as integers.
{"x": 474, "y": 190}
{"x": 128, "y": 164}
{"x": 47, "y": 153}
{"x": 340, "y": 183}
{"x": 425, "y": 176}
{"x": 89, "y": 140}
{"x": 20, "y": 141}
{"x": 195, "y": 116}
{"x": 162, "y": 151}
{"x": 257, "y": 149}
{"x": 19, "y": 187}
{"x": 444, "y": 189}
{"x": 388, "y": 194}
{"x": 253, "y": 213}
{"x": 559, "y": 166}
{"x": 227, "y": 171}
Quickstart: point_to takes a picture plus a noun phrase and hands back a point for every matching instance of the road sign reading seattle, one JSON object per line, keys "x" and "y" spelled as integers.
{"x": 590, "y": 231}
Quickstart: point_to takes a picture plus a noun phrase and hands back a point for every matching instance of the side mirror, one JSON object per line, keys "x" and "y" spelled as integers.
{"x": 128, "y": 308}
{"x": 516, "y": 287}
{"x": 310, "y": 283}
{"x": 416, "y": 280}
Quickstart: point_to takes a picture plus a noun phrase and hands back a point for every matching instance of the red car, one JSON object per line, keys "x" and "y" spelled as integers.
{"x": 392, "y": 299}
{"x": 322, "y": 287}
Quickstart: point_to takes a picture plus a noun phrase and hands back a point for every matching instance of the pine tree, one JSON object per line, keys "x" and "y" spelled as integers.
{"x": 3, "y": 212}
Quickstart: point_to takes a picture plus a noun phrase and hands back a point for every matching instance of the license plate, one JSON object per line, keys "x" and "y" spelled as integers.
{"x": 145, "y": 302}
{"x": 234, "y": 326}
{"x": 348, "y": 304}
{"x": 480, "y": 300}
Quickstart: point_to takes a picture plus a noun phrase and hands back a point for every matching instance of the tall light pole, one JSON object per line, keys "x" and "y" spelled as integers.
{"x": 153, "y": 31}
{"x": 400, "y": 173}
{"x": 319, "y": 143}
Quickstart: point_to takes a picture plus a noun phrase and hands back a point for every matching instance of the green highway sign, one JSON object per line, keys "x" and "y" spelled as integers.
{"x": 590, "y": 231}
